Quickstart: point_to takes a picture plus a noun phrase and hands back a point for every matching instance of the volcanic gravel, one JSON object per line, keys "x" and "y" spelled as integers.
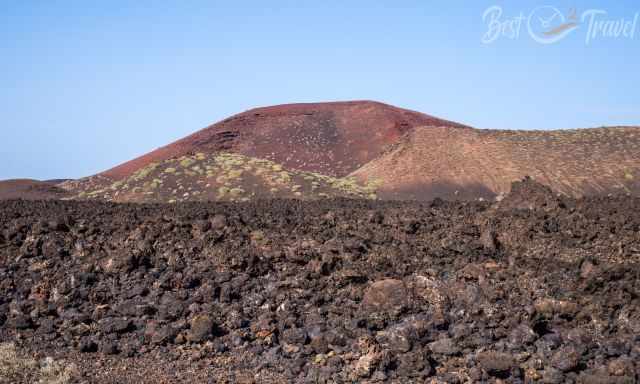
{"x": 535, "y": 288}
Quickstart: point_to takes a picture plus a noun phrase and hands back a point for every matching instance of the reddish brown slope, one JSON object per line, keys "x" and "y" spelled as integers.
{"x": 470, "y": 163}
{"x": 329, "y": 138}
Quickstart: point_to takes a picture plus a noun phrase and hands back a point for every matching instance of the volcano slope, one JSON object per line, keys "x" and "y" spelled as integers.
{"x": 391, "y": 153}
{"x": 465, "y": 163}
{"x": 333, "y": 139}
{"x": 216, "y": 177}
{"x": 535, "y": 288}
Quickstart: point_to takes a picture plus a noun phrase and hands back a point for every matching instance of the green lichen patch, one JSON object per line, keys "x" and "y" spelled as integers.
{"x": 186, "y": 162}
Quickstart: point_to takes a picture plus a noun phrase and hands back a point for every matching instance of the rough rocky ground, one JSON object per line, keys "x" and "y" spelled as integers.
{"x": 535, "y": 289}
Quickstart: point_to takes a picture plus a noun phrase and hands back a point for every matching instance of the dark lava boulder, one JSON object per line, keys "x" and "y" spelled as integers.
{"x": 529, "y": 194}
{"x": 389, "y": 295}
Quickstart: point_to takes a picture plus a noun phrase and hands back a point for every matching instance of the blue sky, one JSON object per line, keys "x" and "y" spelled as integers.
{"x": 87, "y": 85}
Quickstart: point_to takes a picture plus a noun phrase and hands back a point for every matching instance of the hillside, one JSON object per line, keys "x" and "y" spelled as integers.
{"x": 216, "y": 177}
{"x": 358, "y": 149}
{"x": 333, "y": 139}
{"x": 467, "y": 163}
{"x": 29, "y": 189}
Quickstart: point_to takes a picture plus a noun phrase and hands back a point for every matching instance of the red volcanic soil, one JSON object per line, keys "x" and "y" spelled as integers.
{"x": 330, "y": 138}
{"x": 28, "y": 189}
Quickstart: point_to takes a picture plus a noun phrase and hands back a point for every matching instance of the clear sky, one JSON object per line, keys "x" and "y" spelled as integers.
{"x": 87, "y": 85}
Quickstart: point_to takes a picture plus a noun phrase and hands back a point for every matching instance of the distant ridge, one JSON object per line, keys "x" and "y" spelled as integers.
{"x": 364, "y": 149}
{"x": 29, "y": 189}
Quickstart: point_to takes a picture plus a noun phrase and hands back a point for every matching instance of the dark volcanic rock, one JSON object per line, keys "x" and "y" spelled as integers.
{"x": 528, "y": 194}
{"x": 445, "y": 346}
{"x": 387, "y": 295}
{"x": 566, "y": 359}
{"x": 333, "y": 291}
{"x": 20, "y": 321}
{"x": 200, "y": 329}
{"x": 496, "y": 363}
{"x": 114, "y": 325}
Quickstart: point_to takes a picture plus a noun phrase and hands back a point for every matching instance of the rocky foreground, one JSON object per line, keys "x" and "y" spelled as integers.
{"x": 532, "y": 289}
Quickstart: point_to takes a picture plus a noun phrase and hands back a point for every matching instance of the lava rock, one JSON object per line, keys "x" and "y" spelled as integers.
{"x": 295, "y": 336}
{"x": 109, "y": 347}
{"x": 488, "y": 239}
{"x": 395, "y": 340}
{"x": 389, "y": 295}
{"x": 115, "y": 325}
{"x": 522, "y": 335}
{"x": 87, "y": 345}
{"x": 160, "y": 334}
{"x": 218, "y": 222}
{"x": 566, "y": 359}
{"x": 496, "y": 363}
{"x": 201, "y": 328}
{"x": 21, "y": 321}
{"x": 445, "y": 346}
{"x": 550, "y": 307}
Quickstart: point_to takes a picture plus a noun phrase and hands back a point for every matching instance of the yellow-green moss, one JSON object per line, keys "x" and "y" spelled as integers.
{"x": 235, "y": 192}
{"x": 144, "y": 172}
{"x": 235, "y": 173}
{"x": 186, "y": 162}
{"x": 223, "y": 191}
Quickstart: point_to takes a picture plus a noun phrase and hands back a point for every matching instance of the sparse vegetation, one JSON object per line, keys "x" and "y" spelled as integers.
{"x": 236, "y": 192}
{"x": 231, "y": 173}
{"x": 257, "y": 236}
{"x": 18, "y": 369}
{"x": 186, "y": 162}
{"x": 144, "y": 172}
{"x": 235, "y": 173}
{"x": 116, "y": 185}
{"x": 284, "y": 177}
{"x": 628, "y": 176}
{"x": 222, "y": 192}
